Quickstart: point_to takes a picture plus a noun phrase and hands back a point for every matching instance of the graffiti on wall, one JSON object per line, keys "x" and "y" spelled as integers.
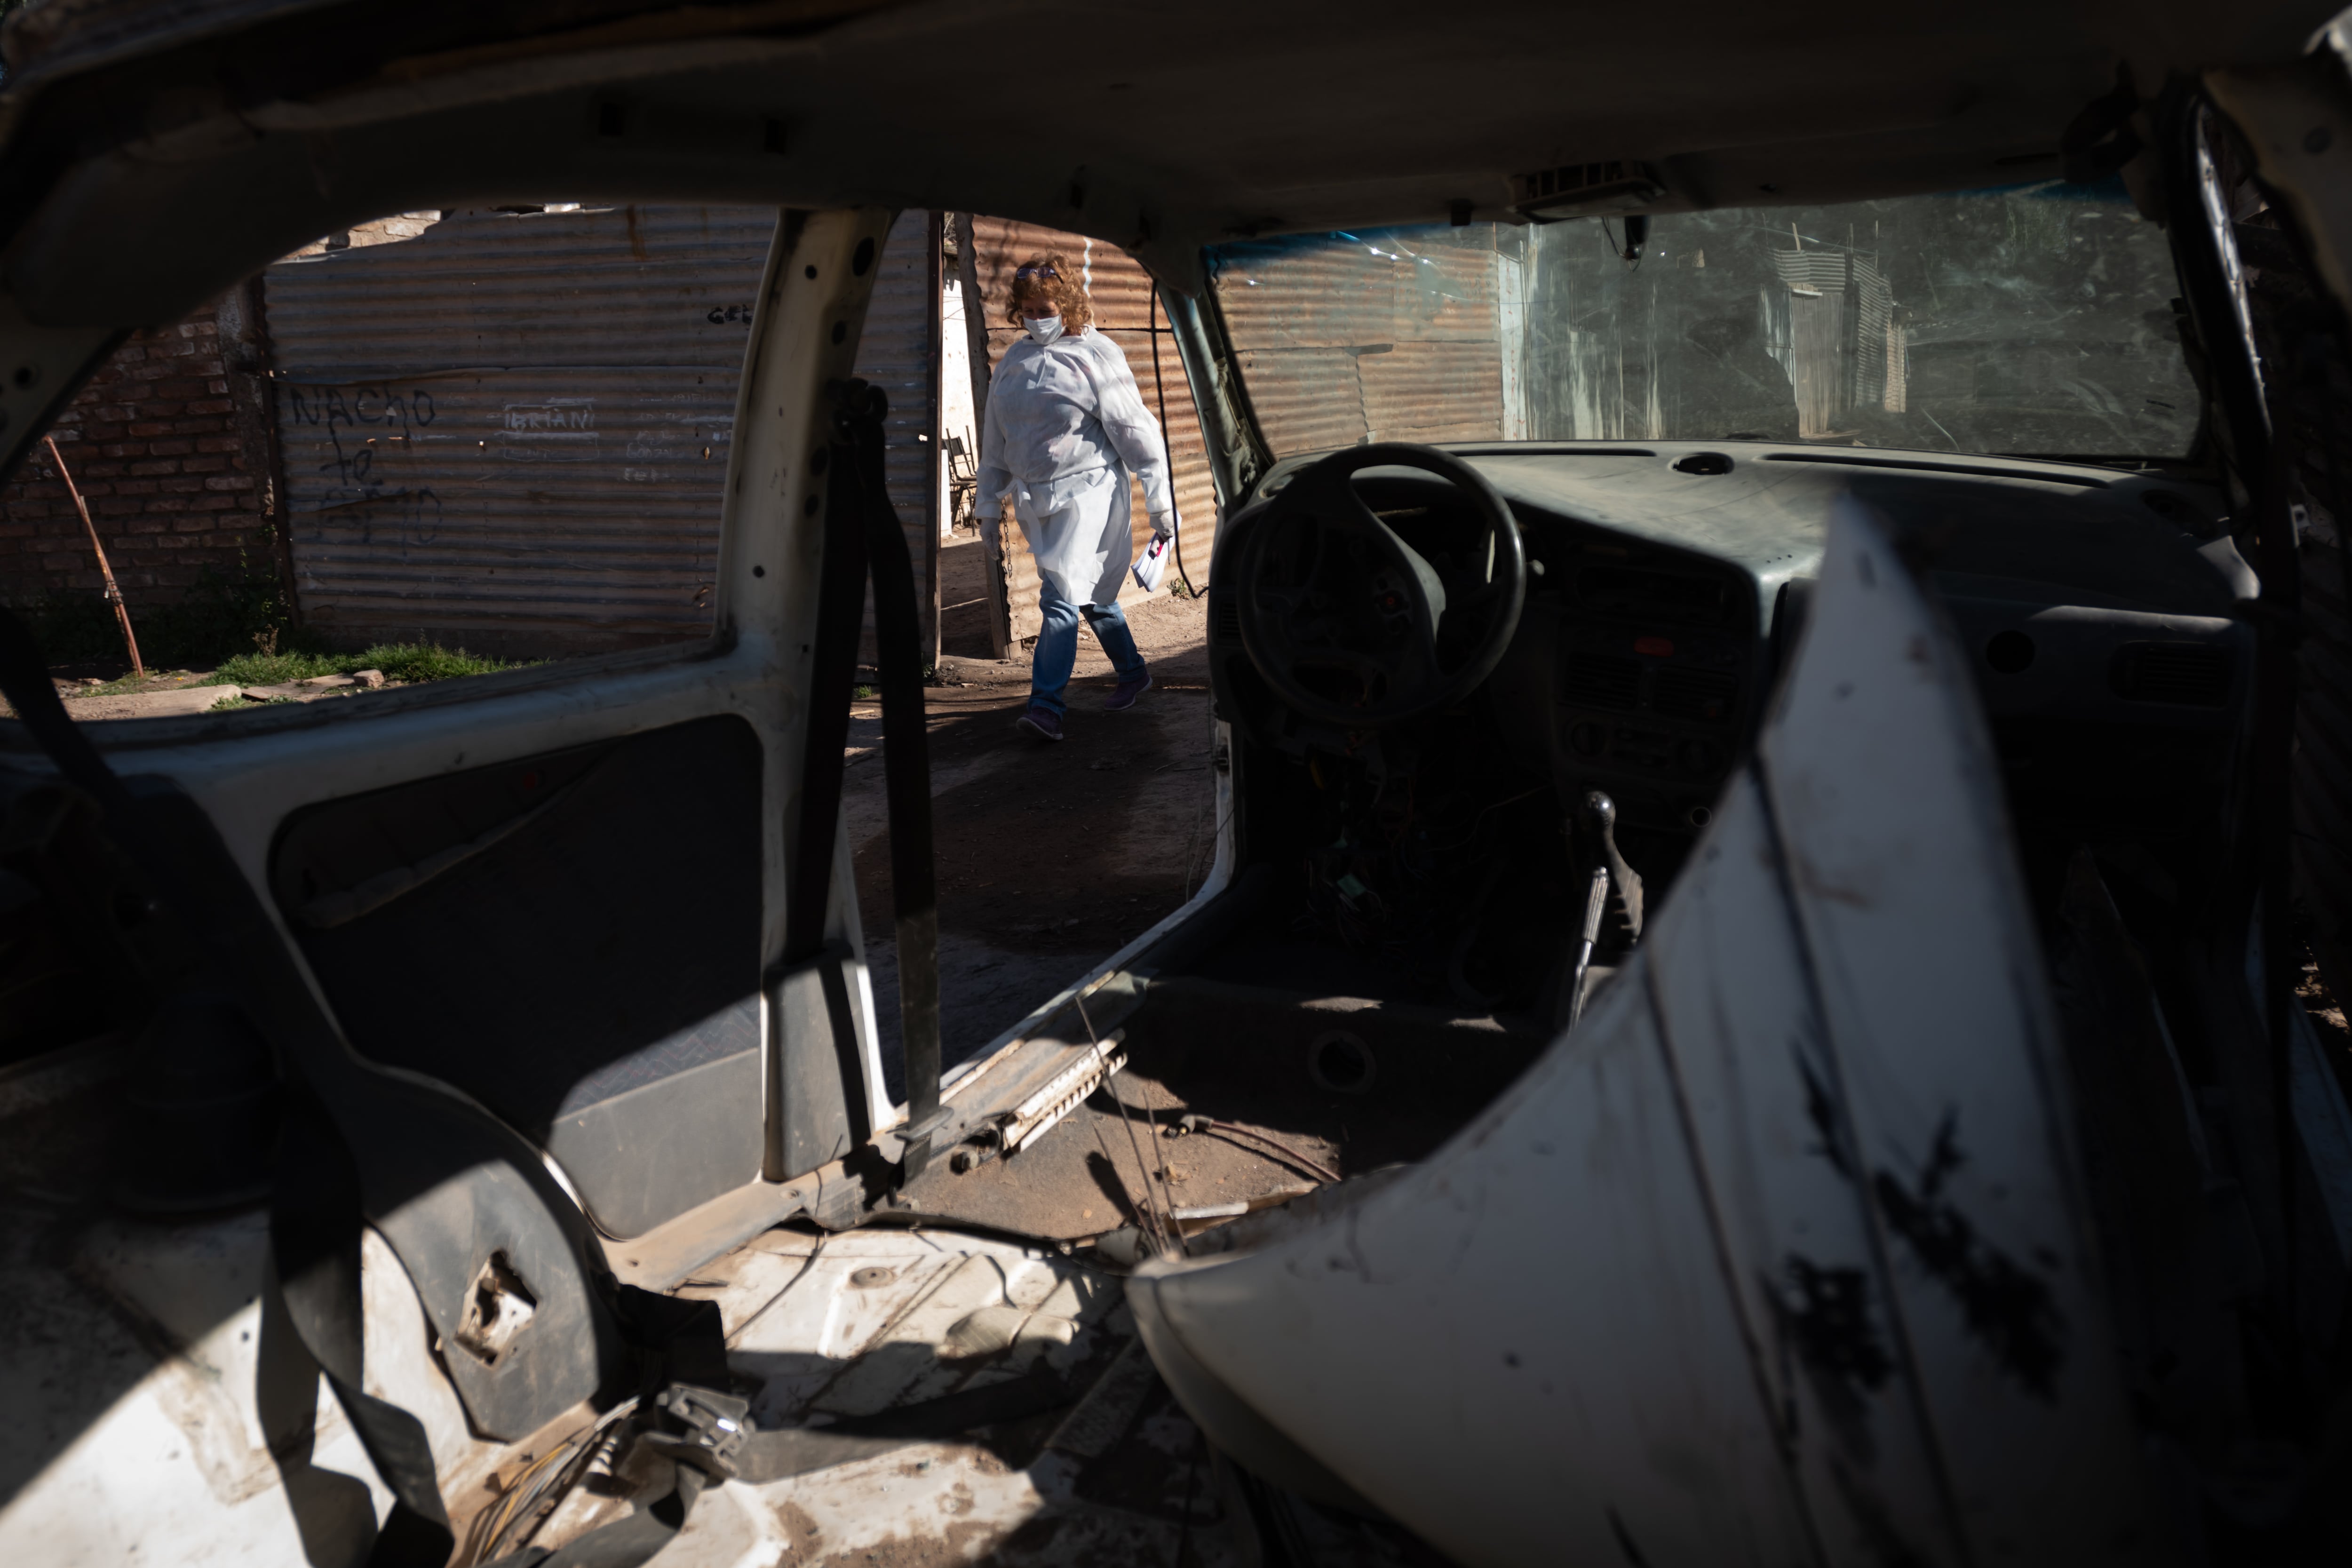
{"x": 362, "y": 425}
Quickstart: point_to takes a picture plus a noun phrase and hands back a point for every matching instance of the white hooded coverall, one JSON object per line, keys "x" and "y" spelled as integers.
{"x": 1065, "y": 427}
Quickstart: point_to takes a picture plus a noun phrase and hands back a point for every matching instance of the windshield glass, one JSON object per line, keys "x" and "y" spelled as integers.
{"x": 2035, "y": 320}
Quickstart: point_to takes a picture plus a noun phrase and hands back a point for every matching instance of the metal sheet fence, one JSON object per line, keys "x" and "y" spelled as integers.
{"x": 1380, "y": 339}
{"x": 900, "y": 353}
{"x": 511, "y": 431}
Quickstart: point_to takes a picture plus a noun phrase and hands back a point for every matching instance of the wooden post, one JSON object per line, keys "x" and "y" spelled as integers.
{"x": 113, "y": 593}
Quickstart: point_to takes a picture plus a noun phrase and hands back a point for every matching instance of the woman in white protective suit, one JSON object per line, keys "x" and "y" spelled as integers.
{"x": 1066, "y": 431}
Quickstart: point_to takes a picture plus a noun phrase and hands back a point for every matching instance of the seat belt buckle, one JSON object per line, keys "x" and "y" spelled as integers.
{"x": 708, "y": 1430}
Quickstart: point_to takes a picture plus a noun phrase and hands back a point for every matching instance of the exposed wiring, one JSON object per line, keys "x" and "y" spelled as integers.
{"x": 1630, "y": 253}
{"x": 1167, "y": 453}
{"x": 1235, "y": 1129}
{"x": 1165, "y": 1223}
{"x": 520, "y": 1512}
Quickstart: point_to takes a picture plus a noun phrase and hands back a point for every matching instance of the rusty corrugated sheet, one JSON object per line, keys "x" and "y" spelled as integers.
{"x": 511, "y": 431}
{"x": 1121, "y": 294}
{"x": 1841, "y": 317}
{"x": 900, "y": 354}
{"x": 1370, "y": 339}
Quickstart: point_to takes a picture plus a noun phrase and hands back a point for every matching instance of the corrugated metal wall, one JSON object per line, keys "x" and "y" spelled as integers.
{"x": 1342, "y": 344}
{"x": 1121, "y": 293}
{"x": 1841, "y": 317}
{"x": 510, "y": 432}
{"x": 900, "y": 354}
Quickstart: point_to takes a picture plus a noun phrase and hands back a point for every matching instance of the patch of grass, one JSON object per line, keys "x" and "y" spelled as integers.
{"x": 408, "y": 662}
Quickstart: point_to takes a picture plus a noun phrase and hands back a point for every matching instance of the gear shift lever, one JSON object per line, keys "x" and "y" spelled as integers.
{"x": 1629, "y": 882}
{"x": 1603, "y": 812}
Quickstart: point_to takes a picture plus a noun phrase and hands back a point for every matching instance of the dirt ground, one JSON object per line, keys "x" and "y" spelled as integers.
{"x": 1050, "y": 857}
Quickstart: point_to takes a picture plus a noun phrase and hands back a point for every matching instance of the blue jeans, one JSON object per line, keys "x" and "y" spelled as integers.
{"x": 1057, "y": 644}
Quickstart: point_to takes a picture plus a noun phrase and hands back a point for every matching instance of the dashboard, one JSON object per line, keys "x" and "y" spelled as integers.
{"x": 1667, "y": 583}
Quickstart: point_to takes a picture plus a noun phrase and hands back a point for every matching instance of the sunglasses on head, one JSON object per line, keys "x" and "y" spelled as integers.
{"x": 1026, "y": 273}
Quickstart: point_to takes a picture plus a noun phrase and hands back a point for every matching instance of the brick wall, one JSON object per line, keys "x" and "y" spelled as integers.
{"x": 168, "y": 443}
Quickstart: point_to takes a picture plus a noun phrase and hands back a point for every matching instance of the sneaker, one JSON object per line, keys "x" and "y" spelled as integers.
{"x": 1124, "y": 694}
{"x": 1041, "y": 722}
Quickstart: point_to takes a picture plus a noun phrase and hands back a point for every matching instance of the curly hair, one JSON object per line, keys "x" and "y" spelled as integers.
{"x": 1056, "y": 278}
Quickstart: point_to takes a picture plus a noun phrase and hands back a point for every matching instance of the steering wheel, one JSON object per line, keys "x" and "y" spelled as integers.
{"x": 1341, "y": 616}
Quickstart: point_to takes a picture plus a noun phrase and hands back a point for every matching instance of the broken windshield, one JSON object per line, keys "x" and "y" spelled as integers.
{"x": 2036, "y": 320}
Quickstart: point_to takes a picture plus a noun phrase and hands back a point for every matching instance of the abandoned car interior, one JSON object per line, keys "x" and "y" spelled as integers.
{"x": 1776, "y": 810}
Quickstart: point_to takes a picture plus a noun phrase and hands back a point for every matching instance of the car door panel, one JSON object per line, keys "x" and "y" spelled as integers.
{"x": 570, "y": 992}
{"x": 591, "y": 973}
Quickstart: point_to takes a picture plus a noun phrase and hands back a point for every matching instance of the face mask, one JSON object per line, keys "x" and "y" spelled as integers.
{"x": 1044, "y": 329}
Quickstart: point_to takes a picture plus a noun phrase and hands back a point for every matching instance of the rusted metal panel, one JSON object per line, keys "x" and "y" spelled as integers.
{"x": 1817, "y": 322}
{"x": 1121, "y": 292}
{"x": 1843, "y": 353}
{"x": 510, "y": 432}
{"x": 900, "y": 354}
{"x": 1374, "y": 339}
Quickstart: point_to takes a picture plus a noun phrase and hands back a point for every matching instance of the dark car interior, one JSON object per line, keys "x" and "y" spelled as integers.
{"x": 1401, "y": 937}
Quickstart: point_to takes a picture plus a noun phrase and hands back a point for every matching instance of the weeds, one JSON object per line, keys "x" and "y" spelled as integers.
{"x": 406, "y": 662}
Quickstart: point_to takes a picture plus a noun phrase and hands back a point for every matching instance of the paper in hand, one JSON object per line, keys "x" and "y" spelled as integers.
{"x": 1153, "y": 565}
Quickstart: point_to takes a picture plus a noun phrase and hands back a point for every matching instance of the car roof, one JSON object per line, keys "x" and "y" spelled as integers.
{"x": 243, "y": 128}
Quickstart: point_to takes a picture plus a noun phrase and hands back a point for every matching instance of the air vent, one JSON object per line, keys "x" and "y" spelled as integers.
{"x": 1228, "y": 620}
{"x": 1601, "y": 680}
{"x": 1703, "y": 694}
{"x": 2185, "y": 674}
{"x": 1584, "y": 190}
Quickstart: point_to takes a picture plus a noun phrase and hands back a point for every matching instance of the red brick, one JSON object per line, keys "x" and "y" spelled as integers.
{"x": 212, "y": 503}
{"x": 212, "y": 406}
{"x": 149, "y": 427}
{"x": 181, "y": 483}
{"x": 194, "y": 521}
{"x": 203, "y": 465}
{"x": 135, "y": 488}
{"x": 228, "y": 444}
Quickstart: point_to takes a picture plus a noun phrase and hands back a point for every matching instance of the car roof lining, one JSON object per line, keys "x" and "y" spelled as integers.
{"x": 1160, "y": 135}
